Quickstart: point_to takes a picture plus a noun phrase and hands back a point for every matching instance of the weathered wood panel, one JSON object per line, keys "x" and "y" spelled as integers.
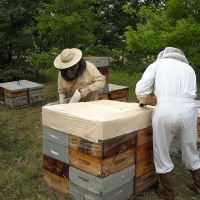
{"x": 104, "y": 149}
{"x": 15, "y": 94}
{"x": 144, "y": 136}
{"x": 56, "y": 136}
{"x": 144, "y": 167}
{"x": 56, "y": 182}
{"x": 117, "y": 94}
{"x": 16, "y": 101}
{"x": 35, "y": 98}
{"x": 101, "y": 186}
{"x": 145, "y": 181}
{"x": 55, "y": 166}
{"x": 56, "y": 151}
{"x": 144, "y": 151}
{"x": 99, "y": 167}
{"x": 122, "y": 193}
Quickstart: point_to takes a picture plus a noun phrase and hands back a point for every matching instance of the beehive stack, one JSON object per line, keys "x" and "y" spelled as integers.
{"x": 145, "y": 172}
{"x": 103, "y": 147}
{"x": 110, "y": 91}
{"x": 56, "y": 159}
{"x": 13, "y": 94}
{"x": 20, "y": 93}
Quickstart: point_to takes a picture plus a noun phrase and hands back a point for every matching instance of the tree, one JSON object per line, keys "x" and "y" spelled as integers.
{"x": 175, "y": 23}
{"x": 15, "y": 15}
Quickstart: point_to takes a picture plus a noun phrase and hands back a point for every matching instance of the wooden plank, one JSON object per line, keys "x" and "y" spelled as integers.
{"x": 144, "y": 151}
{"x": 144, "y": 136}
{"x": 56, "y": 182}
{"x": 116, "y": 94}
{"x": 16, "y": 101}
{"x": 104, "y": 149}
{"x": 101, "y": 186}
{"x": 56, "y": 136}
{"x": 56, "y": 167}
{"x": 99, "y": 167}
{"x": 15, "y": 94}
{"x": 123, "y": 192}
{"x": 35, "y": 98}
{"x": 145, "y": 181}
{"x": 98, "y": 61}
{"x": 56, "y": 151}
{"x": 144, "y": 167}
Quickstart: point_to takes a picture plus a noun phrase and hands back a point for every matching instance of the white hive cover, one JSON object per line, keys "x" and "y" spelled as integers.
{"x": 97, "y": 120}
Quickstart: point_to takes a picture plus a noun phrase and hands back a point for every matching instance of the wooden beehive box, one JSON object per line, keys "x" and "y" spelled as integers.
{"x": 118, "y": 92}
{"x": 35, "y": 91}
{"x": 102, "y": 186}
{"x": 102, "y": 64}
{"x": 13, "y": 94}
{"x": 56, "y": 159}
{"x": 55, "y": 144}
{"x": 55, "y": 182}
{"x": 123, "y": 192}
{"x": 145, "y": 176}
{"x": 105, "y": 157}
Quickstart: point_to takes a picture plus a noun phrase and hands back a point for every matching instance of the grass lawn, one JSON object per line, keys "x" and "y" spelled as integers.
{"x": 21, "y": 149}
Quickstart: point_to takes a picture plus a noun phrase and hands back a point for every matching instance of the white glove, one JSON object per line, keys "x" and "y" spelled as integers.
{"x": 84, "y": 92}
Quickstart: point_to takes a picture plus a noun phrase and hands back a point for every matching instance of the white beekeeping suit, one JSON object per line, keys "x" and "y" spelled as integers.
{"x": 174, "y": 83}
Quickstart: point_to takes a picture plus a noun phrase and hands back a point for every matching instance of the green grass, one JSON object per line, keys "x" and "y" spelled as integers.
{"x": 21, "y": 148}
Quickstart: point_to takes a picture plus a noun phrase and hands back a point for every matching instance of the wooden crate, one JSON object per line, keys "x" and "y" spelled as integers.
{"x": 101, "y": 167}
{"x": 13, "y": 94}
{"x": 35, "y": 91}
{"x": 145, "y": 181}
{"x": 123, "y": 192}
{"x": 144, "y": 151}
{"x": 57, "y": 183}
{"x": 104, "y": 149}
{"x": 144, "y": 167}
{"x": 19, "y": 101}
{"x": 56, "y": 167}
{"x": 117, "y": 91}
{"x": 56, "y": 151}
{"x": 56, "y": 136}
{"x": 144, "y": 136}
{"x": 101, "y": 186}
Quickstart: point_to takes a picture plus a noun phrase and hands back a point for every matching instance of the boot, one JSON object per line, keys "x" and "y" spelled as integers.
{"x": 166, "y": 187}
{"x": 194, "y": 184}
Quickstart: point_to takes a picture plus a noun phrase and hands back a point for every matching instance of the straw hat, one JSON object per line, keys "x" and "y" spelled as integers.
{"x": 67, "y": 58}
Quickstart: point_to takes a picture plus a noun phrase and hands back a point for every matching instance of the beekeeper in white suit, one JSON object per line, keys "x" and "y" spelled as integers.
{"x": 174, "y": 83}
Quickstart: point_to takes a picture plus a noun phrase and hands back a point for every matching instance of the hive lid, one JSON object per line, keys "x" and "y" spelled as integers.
{"x": 98, "y": 61}
{"x": 13, "y": 86}
{"x": 97, "y": 120}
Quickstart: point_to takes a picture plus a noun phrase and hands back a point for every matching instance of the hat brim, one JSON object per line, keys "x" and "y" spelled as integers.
{"x": 61, "y": 65}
